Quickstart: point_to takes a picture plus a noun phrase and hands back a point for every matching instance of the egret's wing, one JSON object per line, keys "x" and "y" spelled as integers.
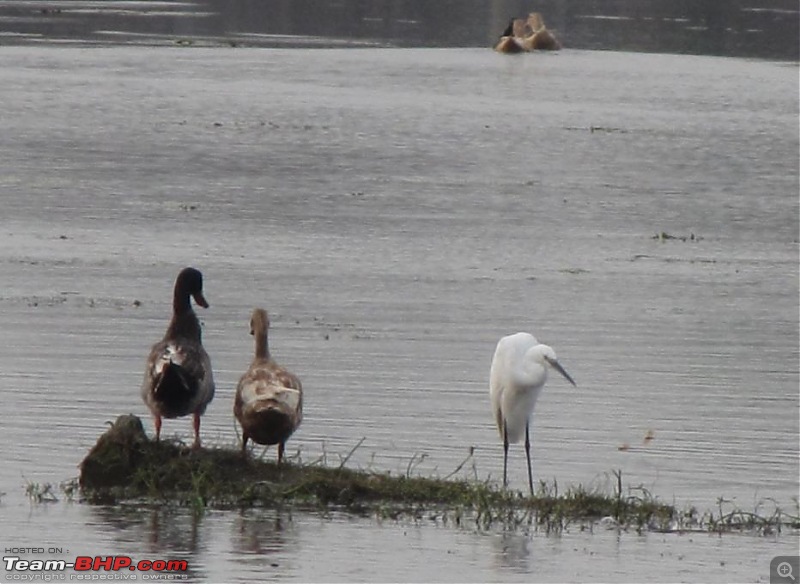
{"x": 496, "y": 387}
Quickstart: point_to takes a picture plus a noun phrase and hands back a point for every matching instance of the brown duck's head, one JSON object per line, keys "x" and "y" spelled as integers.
{"x": 190, "y": 283}
{"x": 259, "y": 321}
{"x": 535, "y": 21}
{"x": 518, "y": 27}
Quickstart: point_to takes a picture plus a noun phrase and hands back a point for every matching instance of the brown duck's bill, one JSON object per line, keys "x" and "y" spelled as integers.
{"x": 557, "y": 366}
{"x": 200, "y": 299}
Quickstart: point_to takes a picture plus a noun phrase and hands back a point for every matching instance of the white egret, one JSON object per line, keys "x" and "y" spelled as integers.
{"x": 518, "y": 374}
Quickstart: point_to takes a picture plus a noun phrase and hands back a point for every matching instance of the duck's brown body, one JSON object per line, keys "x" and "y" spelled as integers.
{"x": 512, "y": 38}
{"x": 525, "y": 36}
{"x": 269, "y": 399}
{"x": 539, "y": 39}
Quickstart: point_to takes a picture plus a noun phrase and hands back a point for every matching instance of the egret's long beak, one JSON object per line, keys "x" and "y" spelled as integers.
{"x": 200, "y": 299}
{"x": 557, "y": 366}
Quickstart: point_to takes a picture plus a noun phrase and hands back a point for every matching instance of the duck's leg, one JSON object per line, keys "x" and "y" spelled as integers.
{"x": 245, "y": 438}
{"x": 505, "y": 455}
{"x": 528, "y": 455}
{"x": 196, "y": 423}
{"x": 157, "y": 422}
{"x": 280, "y": 452}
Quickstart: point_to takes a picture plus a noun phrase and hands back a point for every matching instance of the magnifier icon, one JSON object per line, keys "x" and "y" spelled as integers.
{"x": 785, "y": 571}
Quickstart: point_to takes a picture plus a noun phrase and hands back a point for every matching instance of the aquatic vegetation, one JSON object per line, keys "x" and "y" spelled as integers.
{"x": 125, "y": 466}
{"x": 664, "y": 236}
{"x": 69, "y": 488}
{"x": 40, "y": 492}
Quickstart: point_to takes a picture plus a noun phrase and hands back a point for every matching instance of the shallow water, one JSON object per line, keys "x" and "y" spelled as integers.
{"x": 397, "y": 211}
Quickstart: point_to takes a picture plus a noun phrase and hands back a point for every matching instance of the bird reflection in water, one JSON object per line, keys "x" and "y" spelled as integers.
{"x": 261, "y": 532}
{"x": 511, "y": 551}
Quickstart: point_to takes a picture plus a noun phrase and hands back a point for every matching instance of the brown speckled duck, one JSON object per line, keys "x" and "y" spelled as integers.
{"x": 269, "y": 399}
{"x": 178, "y": 380}
{"x": 540, "y": 39}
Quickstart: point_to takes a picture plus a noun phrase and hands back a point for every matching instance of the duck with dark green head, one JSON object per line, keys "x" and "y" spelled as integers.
{"x": 178, "y": 380}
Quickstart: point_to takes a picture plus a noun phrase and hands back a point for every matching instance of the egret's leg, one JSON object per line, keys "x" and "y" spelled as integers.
{"x": 528, "y": 455}
{"x": 505, "y": 455}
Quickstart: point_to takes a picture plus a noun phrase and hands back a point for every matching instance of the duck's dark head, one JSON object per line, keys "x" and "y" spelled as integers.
{"x": 189, "y": 283}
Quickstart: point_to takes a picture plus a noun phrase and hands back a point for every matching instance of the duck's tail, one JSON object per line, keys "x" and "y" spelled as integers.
{"x": 174, "y": 389}
{"x": 269, "y": 422}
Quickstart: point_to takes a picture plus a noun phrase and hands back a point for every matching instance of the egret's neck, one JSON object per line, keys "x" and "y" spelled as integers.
{"x": 530, "y": 372}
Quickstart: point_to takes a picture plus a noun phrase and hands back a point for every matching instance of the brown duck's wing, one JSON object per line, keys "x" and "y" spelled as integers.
{"x": 269, "y": 382}
{"x": 543, "y": 40}
{"x": 509, "y": 44}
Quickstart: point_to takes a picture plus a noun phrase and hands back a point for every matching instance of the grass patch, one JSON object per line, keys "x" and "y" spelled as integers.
{"x": 664, "y": 236}
{"x": 40, "y": 492}
{"x": 125, "y": 466}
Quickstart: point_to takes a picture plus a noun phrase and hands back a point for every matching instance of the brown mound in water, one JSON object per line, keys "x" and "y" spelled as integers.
{"x": 113, "y": 460}
{"x": 125, "y": 465}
